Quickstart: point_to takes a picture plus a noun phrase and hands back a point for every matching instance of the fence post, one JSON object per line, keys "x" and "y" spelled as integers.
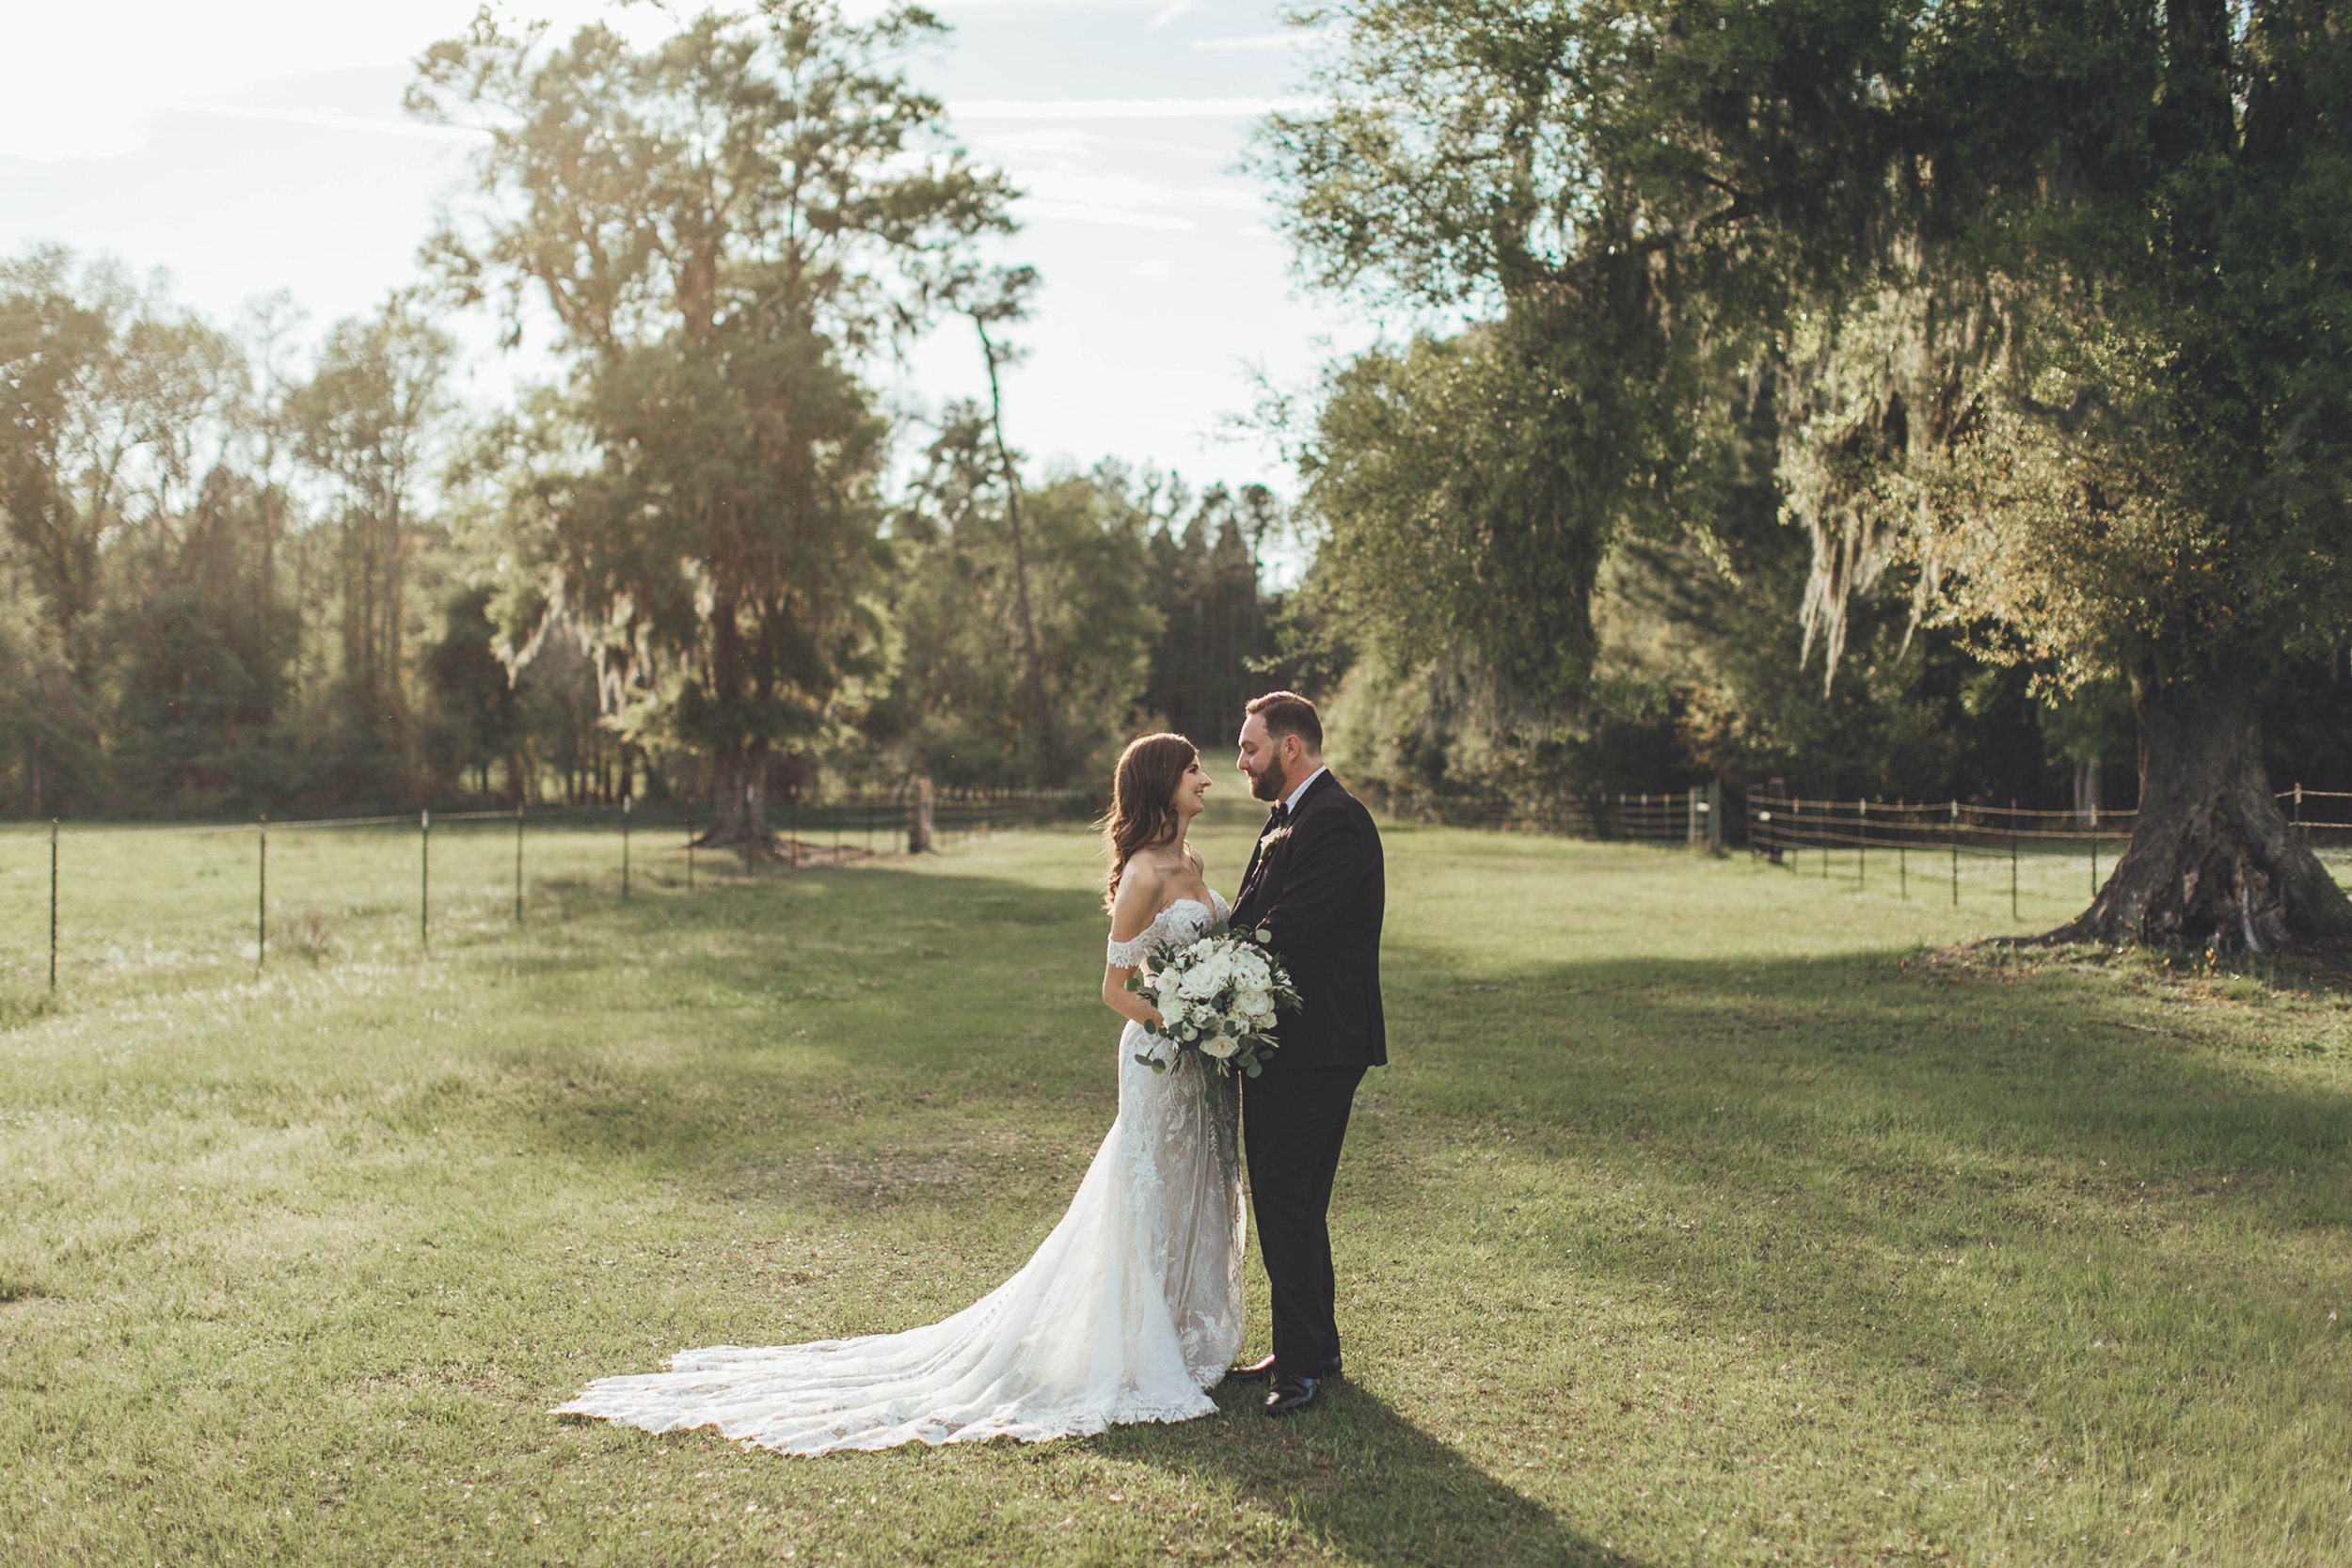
{"x": 1862, "y": 842}
{"x": 518, "y": 863}
{"x": 1955, "y": 837}
{"x": 424, "y": 877}
{"x": 2013, "y": 859}
{"x": 626, "y": 804}
{"x": 793, "y": 827}
{"x": 1902, "y": 850}
{"x": 2299, "y": 805}
{"x": 1716, "y": 816}
{"x": 52, "y": 903}
{"x": 689, "y": 854}
{"x": 261, "y": 900}
{"x": 748, "y": 869}
{"x": 2094, "y": 856}
{"x": 919, "y": 817}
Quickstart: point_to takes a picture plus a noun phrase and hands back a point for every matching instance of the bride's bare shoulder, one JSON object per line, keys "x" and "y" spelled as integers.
{"x": 1139, "y": 887}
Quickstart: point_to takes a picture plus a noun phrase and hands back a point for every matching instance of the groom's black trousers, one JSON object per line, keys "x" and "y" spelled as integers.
{"x": 1292, "y": 1127}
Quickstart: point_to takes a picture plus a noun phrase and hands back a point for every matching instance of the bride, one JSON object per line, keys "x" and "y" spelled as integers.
{"x": 1130, "y": 1310}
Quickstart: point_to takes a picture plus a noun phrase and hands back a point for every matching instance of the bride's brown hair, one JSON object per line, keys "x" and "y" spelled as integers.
{"x": 1143, "y": 792}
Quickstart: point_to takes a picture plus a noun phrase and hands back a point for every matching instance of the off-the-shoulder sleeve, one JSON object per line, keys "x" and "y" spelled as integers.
{"x": 1131, "y": 953}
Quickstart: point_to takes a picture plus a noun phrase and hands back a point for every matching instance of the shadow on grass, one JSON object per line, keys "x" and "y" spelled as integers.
{"x": 1900, "y": 1169}
{"x": 1366, "y": 1480}
{"x": 1807, "y": 1145}
{"x": 1731, "y": 1067}
{"x": 813, "y": 1004}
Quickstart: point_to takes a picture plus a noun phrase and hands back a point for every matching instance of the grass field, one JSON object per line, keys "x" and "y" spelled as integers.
{"x": 1701, "y": 1219}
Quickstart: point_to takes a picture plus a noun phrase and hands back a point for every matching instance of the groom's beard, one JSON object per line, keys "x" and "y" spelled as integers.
{"x": 1270, "y": 783}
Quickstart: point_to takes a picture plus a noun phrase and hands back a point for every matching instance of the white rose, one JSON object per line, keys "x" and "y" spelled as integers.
{"x": 1171, "y": 1008}
{"x": 1219, "y": 1047}
{"x": 1257, "y": 1003}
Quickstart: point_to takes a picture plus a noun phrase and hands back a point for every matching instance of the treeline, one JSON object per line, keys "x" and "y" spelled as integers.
{"x": 237, "y": 578}
{"x": 244, "y": 571}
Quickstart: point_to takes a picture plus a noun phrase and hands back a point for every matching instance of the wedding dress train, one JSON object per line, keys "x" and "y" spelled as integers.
{"x": 1130, "y": 1310}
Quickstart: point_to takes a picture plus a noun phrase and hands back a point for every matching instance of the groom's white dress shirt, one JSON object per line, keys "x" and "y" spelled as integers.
{"x": 1290, "y": 801}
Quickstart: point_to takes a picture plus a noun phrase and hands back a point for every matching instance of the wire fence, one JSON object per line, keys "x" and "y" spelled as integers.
{"x": 1968, "y": 853}
{"x": 133, "y": 904}
{"x": 1692, "y": 816}
{"x": 1943, "y": 846}
{"x": 127, "y": 903}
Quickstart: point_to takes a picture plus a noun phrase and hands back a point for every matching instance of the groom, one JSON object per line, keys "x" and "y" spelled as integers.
{"x": 1314, "y": 883}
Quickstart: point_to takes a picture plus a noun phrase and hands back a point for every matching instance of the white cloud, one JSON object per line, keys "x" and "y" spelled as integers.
{"x": 1043, "y": 141}
{"x": 1125, "y": 108}
{"x": 1117, "y": 218}
{"x": 416, "y": 130}
{"x": 1093, "y": 190}
{"x": 1254, "y": 43}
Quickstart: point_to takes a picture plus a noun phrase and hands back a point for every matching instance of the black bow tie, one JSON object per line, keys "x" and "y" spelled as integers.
{"x": 1280, "y": 815}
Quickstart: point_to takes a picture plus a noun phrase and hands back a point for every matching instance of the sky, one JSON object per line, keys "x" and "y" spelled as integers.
{"x": 247, "y": 146}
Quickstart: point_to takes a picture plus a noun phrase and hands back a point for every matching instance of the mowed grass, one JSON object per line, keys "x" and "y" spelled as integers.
{"x": 1700, "y": 1219}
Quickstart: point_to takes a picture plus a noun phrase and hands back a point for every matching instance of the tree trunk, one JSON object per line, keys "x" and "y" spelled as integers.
{"x": 2213, "y": 863}
{"x": 738, "y": 802}
{"x": 1033, "y": 663}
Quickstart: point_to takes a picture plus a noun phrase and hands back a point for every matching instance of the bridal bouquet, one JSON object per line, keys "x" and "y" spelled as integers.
{"x": 1216, "y": 996}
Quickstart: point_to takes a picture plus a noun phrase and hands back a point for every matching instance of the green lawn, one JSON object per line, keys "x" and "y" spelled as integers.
{"x": 1700, "y": 1219}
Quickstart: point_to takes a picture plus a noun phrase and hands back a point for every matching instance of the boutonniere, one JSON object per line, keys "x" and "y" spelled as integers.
{"x": 1272, "y": 836}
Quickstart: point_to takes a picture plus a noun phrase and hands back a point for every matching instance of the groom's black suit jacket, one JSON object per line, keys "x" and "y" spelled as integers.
{"x": 1316, "y": 883}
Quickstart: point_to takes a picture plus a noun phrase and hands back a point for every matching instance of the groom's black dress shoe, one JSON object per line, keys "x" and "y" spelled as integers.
{"x": 1259, "y": 1371}
{"x": 1289, "y": 1392}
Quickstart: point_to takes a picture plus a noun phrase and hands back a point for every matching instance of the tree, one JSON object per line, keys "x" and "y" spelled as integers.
{"x": 112, "y": 397}
{"x": 996, "y": 303}
{"x": 1214, "y": 641}
{"x": 371, "y": 423}
{"x": 145, "y": 651}
{"x": 2045, "y": 297}
{"x": 956, "y": 703}
{"x": 189, "y": 671}
{"x": 473, "y": 723}
{"x": 270, "y": 324}
{"x": 720, "y": 227}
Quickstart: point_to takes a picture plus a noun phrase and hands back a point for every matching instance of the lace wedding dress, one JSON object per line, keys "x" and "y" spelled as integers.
{"x": 1129, "y": 1311}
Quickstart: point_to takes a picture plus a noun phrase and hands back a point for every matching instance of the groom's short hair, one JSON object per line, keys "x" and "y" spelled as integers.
{"x": 1288, "y": 713}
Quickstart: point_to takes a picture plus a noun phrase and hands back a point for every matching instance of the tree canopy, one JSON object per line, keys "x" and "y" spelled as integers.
{"x": 2032, "y": 303}
{"x": 720, "y": 226}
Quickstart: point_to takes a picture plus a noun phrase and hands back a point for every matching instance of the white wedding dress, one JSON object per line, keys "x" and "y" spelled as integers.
{"x": 1130, "y": 1310}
